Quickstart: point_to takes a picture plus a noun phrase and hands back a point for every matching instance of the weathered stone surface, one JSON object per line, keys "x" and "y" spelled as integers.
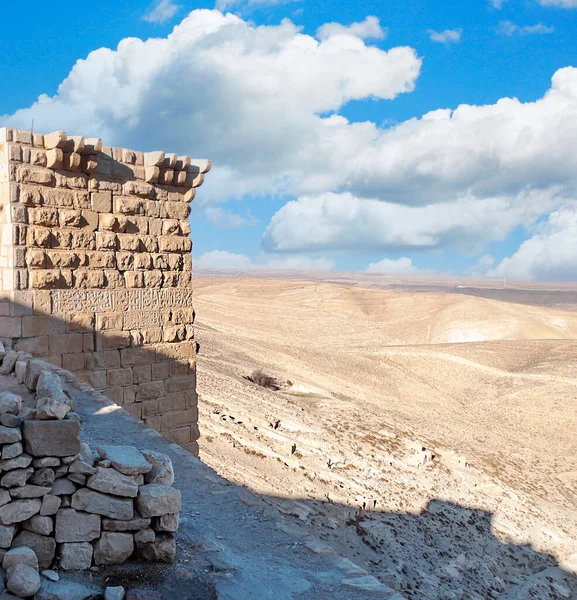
{"x": 132, "y": 525}
{"x": 6, "y": 535}
{"x": 49, "y": 461}
{"x": 9, "y": 435}
{"x": 74, "y": 526}
{"x": 162, "y": 470}
{"x": 50, "y": 505}
{"x": 113, "y": 548}
{"x": 81, "y": 467}
{"x": 19, "y": 510}
{"x": 20, "y": 462}
{"x": 102, "y": 504}
{"x": 163, "y": 549}
{"x": 10, "y": 403}
{"x": 4, "y": 497}
{"x": 76, "y": 556}
{"x": 10, "y": 420}
{"x": 35, "y": 367}
{"x": 112, "y": 482}
{"x": 51, "y": 438}
{"x": 44, "y": 477}
{"x": 167, "y": 523}
{"x": 8, "y": 363}
{"x": 29, "y": 491}
{"x": 114, "y": 593}
{"x": 12, "y": 450}
{"x": 20, "y": 556}
{"x": 63, "y": 487}
{"x": 39, "y": 524}
{"x": 155, "y": 500}
{"x": 44, "y": 546}
{"x": 23, "y": 581}
{"x": 17, "y": 477}
{"x": 145, "y": 536}
{"x": 51, "y": 575}
{"x": 65, "y": 590}
{"x": 143, "y": 595}
{"x": 125, "y": 459}
{"x": 77, "y": 478}
{"x": 50, "y": 409}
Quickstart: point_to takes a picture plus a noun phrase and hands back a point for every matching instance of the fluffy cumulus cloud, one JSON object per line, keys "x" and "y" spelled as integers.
{"x": 223, "y": 260}
{"x": 370, "y": 28}
{"x": 401, "y": 266}
{"x": 449, "y": 36}
{"x": 225, "y": 219}
{"x": 550, "y": 254}
{"x": 161, "y": 12}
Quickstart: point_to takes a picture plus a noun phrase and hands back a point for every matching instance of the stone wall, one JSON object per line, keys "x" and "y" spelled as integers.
{"x": 95, "y": 269}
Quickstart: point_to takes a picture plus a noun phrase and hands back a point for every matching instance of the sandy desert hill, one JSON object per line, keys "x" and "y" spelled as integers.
{"x": 487, "y": 387}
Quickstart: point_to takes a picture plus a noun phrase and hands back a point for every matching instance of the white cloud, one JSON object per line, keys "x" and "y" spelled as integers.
{"x": 498, "y": 4}
{"x": 401, "y": 265}
{"x": 343, "y": 222}
{"x": 161, "y": 12}
{"x": 509, "y": 28}
{"x": 449, "y": 36}
{"x": 253, "y": 99}
{"x": 220, "y": 259}
{"x": 550, "y": 254}
{"x": 225, "y": 219}
{"x": 227, "y": 4}
{"x": 560, "y": 3}
{"x": 370, "y": 28}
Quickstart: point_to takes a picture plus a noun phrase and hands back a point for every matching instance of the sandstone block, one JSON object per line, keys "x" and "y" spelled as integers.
{"x": 45, "y": 280}
{"x": 101, "y": 202}
{"x": 76, "y": 556}
{"x": 155, "y": 500}
{"x": 162, "y": 471}
{"x": 44, "y": 547}
{"x": 113, "y": 548}
{"x": 105, "y": 241}
{"x": 56, "y": 139}
{"x": 153, "y": 159}
{"x": 125, "y": 459}
{"x": 89, "y": 279}
{"x": 127, "y": 205}
{"x": 74, "y": 526}
{"x": 19, "y": 510}
{"x": 39, "y": 524}
{"x": 50, "y": 505}
{"x": 135, "y": 524}
{"x": 102, "y": 504}
{"x": 112, "y": 482}
{"x": 51, "y": 438}
{"x": 163, "y": 549}
{"x": 9, "y": 363}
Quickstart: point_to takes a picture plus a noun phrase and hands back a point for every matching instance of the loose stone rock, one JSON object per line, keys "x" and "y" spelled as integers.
{"x": 114, "y": 593}
{"x": 143, "y": 595}
{"x": 10, "y": 403}
{"x": 168, "y": 523}
{"x": 51, "y": 438}
{"x": 20, "y": 556}
{"x": 19, "y": 510}
{"x": 102, "y": 504}
{"x": 77, "y": 478}
{"x": 74, "y": 526}
{"x": 49, "y": 408}
{"x": 12, "y": 450}
{"x": 125, "y": 459}
{"x": 146, "y": 536}
{"x": 43, "y": 546}
{"x": 110, "y": 481}
{"x": 51, "y": 575}
{"x": 48, "y": 461}
{"x": 162, "y": 470}
{"x": 44, "y": 477}
{"x": 20, "y": 462}
{"x": 29, "y": 491}
{"x": 76, "y": 556}
{"x": 81, "y": 467}
{"x": 18, "y": 477}
{"x": 6, "y": 535}
{"x": 133, "y": 525}
{"x": 39, "y": 524}
{"x": 9, "y": 420}
{"x": 8, "y": 363}
{"x": 65, "y": 590}
{"x": 9, "y": 435}
{"x": 63, "y": 487}
{"x": 163, "y": 549}
{"x": 50, "y": 505}
{"x": 49, "y": 386}
{"x": 23, "y": 581}
{"x": 155, "y": 500}
{"x": 113, "y": 548}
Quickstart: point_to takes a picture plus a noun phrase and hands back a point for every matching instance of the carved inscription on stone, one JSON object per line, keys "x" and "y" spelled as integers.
{"x": 141, "y": 319}
{"x": 103, "y": 301}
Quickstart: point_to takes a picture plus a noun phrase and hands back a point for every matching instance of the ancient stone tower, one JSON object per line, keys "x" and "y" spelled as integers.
{"x": 95, "y": 269}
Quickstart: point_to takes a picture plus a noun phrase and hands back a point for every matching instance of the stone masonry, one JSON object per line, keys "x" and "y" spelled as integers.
{"x": 95, "y": 269}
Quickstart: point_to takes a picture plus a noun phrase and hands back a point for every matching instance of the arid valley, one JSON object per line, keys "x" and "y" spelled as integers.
{"x": 429, "y": 437}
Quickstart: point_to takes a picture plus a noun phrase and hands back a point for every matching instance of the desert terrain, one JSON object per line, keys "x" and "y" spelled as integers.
{"x": 428, "y": 436}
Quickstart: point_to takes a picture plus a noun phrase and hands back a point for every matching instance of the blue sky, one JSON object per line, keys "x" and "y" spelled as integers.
{"x": 332, "y": 166}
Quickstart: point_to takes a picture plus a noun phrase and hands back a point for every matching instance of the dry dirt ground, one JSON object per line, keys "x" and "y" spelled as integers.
{"x": 429, "y": 437}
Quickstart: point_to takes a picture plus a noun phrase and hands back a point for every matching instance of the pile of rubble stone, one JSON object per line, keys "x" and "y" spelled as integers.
{"x": 67, "y": 505}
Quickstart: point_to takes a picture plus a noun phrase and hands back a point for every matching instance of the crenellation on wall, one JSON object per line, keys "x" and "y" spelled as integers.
{"x": 95, "y": 268}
